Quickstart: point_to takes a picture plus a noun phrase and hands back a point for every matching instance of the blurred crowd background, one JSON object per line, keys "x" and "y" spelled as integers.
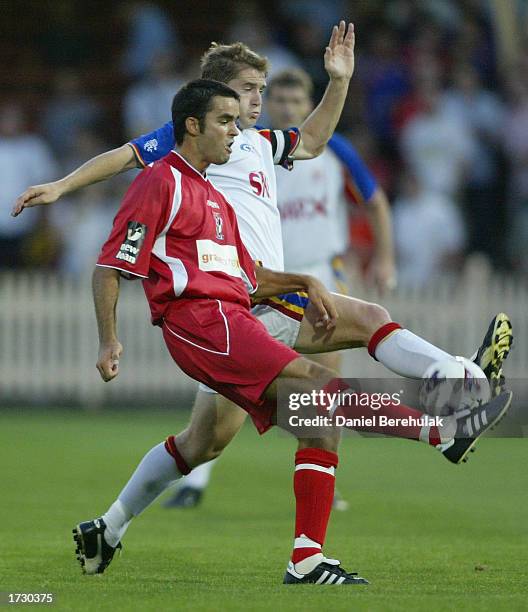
{"x": 438, "y": 109}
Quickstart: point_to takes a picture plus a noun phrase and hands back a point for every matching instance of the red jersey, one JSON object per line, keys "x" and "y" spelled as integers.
{"x": 178, "y": 233}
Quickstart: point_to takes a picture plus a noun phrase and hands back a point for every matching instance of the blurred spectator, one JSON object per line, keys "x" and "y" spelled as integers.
{"x": 308, "y": 41}
{"x": 438, "y": 148}
{"x": 482, "y": 112}
{"x": 147, "y": 104}
{"x": 426, "y": 72}
{"x": 474, "y": 45}
{"x": 428, "y": 234}
{"x": 68, "y": 110}
{"x": 64, "y": 38}
{"x": 322, "y": 15}
{"x": 386, "y": 81}
{"x": 24, "y": 160}
{"x": 85, "y": 219}
{"x": 252, "y": 27}
{"x": 515, "y": 139}
{"x": 413, "y": 16}
{"x": 150, "y": 30}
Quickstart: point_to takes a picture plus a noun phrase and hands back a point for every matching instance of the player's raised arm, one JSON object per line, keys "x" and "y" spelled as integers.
{"x": 105, "y": 283}
{"x": 339, "y": 64}
{"x": 383, "y": 267}
{"x": 272, "y": 283}
{"x": 365, "y": 190}
{"x": 135, "y": 154}
{"x": 94, "y": 170}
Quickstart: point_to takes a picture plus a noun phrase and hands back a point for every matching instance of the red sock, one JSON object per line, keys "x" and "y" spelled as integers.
{"x": 313, "y": 483}
{"x": 172, "y": 449}
{"x": 390, "y": 410}
{"x": 428, "y": 434}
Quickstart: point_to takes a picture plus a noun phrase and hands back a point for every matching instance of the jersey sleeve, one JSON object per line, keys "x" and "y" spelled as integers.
{"x": 154, "y": 145}
{"x": 283, "y": 144}
{"x": 140, "y": 218}
{"x": 360, "y": 183}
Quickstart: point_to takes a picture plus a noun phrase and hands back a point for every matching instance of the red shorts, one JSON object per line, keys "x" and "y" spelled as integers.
{"x": 222, "y": 345}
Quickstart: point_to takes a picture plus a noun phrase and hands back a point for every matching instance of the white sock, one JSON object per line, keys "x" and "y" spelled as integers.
{"x": 156, "y": 471}
{"x": 447, "y": 431}
{"x": 407, "y": 354}
{"x": 117, "y": 519}
{"x": 308, "y": 564}
{"x": 200, "y": 476}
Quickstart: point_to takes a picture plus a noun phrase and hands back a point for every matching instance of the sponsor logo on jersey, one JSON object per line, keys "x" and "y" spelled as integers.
{"x": 245, "y": 147}
{"x": 151, "y": 145}
{"x": 219, "y": 223}
{"x": 213, "y": 257}
{"x": 259, "y": 183}
{"x": 212, "y": 204}
{"x": 131, "y": 247}
{"x": 303, "y": 209}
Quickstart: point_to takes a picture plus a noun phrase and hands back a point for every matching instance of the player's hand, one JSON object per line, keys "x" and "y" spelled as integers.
{"x": 339, "y": 55}
{"x": 36, "y": 195}
{"x": 323, "y": 301}
{"x": 383, "y": 274}
{"x": 108, "y": 360}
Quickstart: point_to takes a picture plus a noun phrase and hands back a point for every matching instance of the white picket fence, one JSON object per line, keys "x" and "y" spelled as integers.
{"x": 48, "y": 345}
{"x": 48, "y": 337}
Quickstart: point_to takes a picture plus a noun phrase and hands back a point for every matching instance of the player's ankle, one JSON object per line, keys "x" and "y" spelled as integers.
{"x": 308, "y": 564}
{"x": 447, "y": 429}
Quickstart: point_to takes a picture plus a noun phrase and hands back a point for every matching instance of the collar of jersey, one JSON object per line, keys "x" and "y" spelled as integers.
{"x": 184, "y": 166}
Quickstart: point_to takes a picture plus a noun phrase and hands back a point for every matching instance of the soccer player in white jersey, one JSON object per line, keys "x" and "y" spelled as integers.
{"x": 248, "y": 182}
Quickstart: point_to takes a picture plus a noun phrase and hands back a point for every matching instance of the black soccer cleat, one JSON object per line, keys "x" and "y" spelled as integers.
{"x": 328, "y": 571}
{"x": 185, "y": 497}
{"x": 471, "y": 424}
{"x": 93, "y": 553}
{"x": 494, "y": 349}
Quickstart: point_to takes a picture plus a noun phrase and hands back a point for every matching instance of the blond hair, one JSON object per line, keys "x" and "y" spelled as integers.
{"x": 224, "y": 62}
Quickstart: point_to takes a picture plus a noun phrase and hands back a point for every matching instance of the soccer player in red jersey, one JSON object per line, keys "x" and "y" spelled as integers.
{"x": 178, "y": 233}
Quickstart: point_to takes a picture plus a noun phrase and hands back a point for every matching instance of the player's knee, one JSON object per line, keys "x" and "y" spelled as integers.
{"x": 203, "y": 454}
{"x": 197, "y": 448}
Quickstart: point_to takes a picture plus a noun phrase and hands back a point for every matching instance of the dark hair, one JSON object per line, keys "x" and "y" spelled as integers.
{"x": 293, "y": 77}
{"x": 224, "y": 62}
{"x": 195, "y": 100}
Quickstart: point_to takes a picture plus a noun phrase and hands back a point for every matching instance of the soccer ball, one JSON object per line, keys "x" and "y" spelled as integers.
{"x": 451, "y": 385}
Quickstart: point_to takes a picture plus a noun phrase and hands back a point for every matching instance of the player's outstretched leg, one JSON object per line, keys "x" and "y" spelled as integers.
{"x": 472, "y": 424}
{"x": 493, "y": 351}
{"x": 365, "y": 324}
{"x": 454, "y": 435}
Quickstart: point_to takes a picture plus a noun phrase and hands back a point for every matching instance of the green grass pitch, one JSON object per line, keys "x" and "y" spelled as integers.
{"x": 427, "y": 534}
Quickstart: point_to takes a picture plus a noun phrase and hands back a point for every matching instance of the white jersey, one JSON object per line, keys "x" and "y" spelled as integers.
{"x": 248, "y": 182}
{"x": 312, "y": 204}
